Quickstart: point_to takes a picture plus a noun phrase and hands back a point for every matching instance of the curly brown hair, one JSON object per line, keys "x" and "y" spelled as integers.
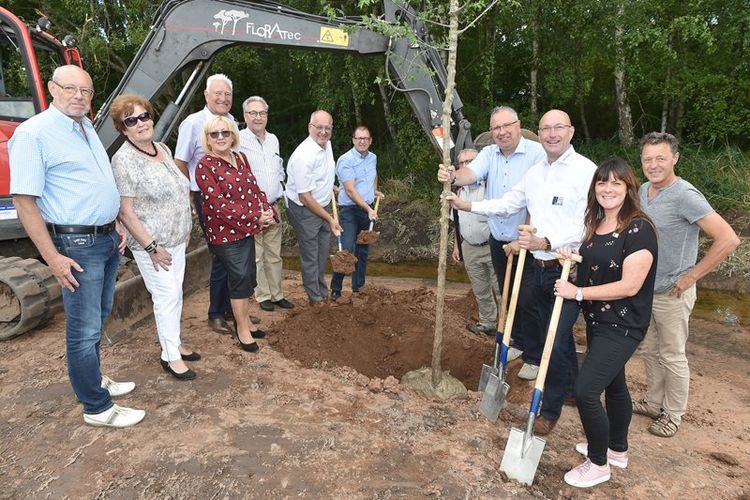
{"x": 123, "y": 106}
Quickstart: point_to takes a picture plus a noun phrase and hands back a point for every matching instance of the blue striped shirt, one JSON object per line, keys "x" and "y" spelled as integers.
{"x": 362, "y": 170}
{"x": 70, "y": 176}
{"x": 502, "y": 174}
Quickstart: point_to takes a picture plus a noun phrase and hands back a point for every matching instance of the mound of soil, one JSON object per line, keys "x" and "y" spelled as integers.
{"x": 343, "y": 262}
{"x": 367, "y": 237}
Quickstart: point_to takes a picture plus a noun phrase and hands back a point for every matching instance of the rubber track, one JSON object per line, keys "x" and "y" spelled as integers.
{"x": 38, "y": 292}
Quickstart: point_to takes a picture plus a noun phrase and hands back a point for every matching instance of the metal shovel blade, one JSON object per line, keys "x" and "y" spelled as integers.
{"x": 493, "y": 398}
{"x": 487, "y": 372}
{"x": 522, "y": 455}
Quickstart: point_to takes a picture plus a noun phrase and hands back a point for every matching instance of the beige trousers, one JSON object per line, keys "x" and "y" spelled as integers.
{"x": 478, "y": 265}
{"x": 268, "y": 264}
{"x": 663, "y": 351}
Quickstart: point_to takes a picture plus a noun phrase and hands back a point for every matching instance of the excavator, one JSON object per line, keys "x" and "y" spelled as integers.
{"x": 185, "y": 36}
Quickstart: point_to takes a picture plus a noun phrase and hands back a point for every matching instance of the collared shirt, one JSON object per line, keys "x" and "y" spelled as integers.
{"x": 189, "y": 148}
{"x": 311, "y": 169}
{"x": 473, "y": 227}
{"x": 363, "y": 170}
{"x": 70, "y": 176}
{"x": 230, "y": 198}
{"x": 502, "y": 174}
{"x": 265, "y": 161}
{"x": 555, "y": 195}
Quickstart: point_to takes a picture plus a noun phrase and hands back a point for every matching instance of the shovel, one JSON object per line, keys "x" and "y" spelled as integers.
{"x": 368, "y": 237}
{"x": 497, "y": 385}
{"x": 524, "y": 449}
{"x": 343, "y": 262}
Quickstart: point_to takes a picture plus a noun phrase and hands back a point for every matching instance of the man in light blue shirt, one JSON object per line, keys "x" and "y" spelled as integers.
{"x": 503, "y": 165}
{"x": 357, "y": 170}
{"x": 67, "y": 201}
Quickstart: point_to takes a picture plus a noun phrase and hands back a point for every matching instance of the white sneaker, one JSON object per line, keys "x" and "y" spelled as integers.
{"x": 587, "y": 474}
{"x": 514, "y": 353}
{"x": 528, "y": 372}
{"x": 117, "y": 416}
{"x": 616, "y": 458}
{"x": 116, "y": 388}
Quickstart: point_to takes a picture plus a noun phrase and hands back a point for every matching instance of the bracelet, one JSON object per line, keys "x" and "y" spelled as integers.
{"x": 151, "y": 248}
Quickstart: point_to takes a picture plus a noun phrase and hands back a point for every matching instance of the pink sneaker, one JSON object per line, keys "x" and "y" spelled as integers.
{"x": 587, "y": 474}
{"x": 616, "y": 458}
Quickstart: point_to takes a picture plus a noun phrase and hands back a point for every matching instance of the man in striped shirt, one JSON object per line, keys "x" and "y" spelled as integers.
{"x": 262, "y": 150}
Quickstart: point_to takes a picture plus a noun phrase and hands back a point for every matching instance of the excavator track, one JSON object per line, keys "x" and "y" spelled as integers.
{"x": 29, "y": 296}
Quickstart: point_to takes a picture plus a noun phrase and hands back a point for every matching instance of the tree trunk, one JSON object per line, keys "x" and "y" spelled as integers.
{"x": 579, "y": 90}
{"x": 437, "y": 346}
{"x": 665, "y": 102}
{"x": 534, "y": 74}
{"x": 624, "y": 117}
{"x": 386, "y": 106}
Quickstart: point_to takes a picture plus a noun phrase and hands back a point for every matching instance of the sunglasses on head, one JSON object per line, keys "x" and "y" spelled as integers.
{"x": 220, "y": 133}
{"x": 130, "y": 121}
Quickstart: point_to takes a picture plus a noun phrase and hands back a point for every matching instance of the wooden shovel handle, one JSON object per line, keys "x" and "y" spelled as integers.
{"x": 503, "y": 312}
{"x": 527, "y": 228}
{"x": 514, "y": 296}
{"x": 335, "y": 208}
{"x": 377, "y": 202}
{"x": 552, "y": 330}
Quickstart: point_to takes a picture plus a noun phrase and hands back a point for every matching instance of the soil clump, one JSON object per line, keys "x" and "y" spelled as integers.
{"x": 343, "y": 262}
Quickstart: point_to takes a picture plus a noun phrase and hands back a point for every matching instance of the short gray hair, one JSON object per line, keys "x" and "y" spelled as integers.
{"x": 498, "y": 109}
{"x": 654, "y": 138}
{"x": 218, "y": 77}
{"x": 255, "y": 98}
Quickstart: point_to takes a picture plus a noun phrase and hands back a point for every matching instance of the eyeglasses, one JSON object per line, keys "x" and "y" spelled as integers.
{"x": 462, "y": 163}
{"x": 130, "y": 121}
{"x": 503, "y": 126}
{"x": 219, "y": 93}
{"x": 557, "y": 128}
{"x": 71, "y": 90}
{"x": 220, "y": 133}
{"x": 262, "y": 114}
{"x": 322, "y": 128}
{"x": 362, "y": 139}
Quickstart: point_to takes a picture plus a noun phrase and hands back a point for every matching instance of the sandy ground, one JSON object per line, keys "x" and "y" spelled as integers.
{"x": 314, "y": 414}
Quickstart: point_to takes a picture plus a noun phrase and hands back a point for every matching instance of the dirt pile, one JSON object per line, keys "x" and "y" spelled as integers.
{"x": 343, "y": 262}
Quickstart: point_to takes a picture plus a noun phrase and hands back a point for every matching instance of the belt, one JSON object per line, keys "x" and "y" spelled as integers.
{"x": 546, "y": 264}
{"x": 477, "y": 244}
{"x": 75, "y": 229}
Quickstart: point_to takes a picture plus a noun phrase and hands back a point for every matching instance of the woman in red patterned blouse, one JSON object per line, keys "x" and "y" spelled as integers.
{"x": 234, "y": 210}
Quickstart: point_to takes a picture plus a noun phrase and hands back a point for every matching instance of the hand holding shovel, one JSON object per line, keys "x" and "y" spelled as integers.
{"x": 524, "y": 450}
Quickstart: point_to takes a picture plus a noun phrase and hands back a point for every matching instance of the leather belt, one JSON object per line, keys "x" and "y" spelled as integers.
{"x": 546, "y": 264}
{"x": 477, "y": 244}
{"x": 76, "y": 229}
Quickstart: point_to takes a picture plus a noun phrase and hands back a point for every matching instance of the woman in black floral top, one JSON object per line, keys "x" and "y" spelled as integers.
{"x": 615, "y": 287}
{"x": 234, "y": 210}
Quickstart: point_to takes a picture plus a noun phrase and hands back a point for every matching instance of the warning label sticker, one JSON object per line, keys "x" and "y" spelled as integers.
{"x": 334, "y": 36}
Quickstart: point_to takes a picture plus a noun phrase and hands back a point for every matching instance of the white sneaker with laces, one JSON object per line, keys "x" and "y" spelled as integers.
{"x": 616, "y": 458}
{"x": 528, "y": 372}
{"x": 587, "y": 474}
{"x": 117, "y": 416}
{"x": 514, "y": 353}
{"x": 116, "y": 388}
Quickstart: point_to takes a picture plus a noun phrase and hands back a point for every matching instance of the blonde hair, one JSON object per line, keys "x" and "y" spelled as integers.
{"x": 212, "y": 123}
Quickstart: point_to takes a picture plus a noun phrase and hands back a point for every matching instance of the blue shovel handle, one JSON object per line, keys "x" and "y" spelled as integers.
{"x": 338, "y": 241}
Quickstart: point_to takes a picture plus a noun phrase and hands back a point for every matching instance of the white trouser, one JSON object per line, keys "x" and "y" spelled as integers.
{"x": 165, "y": 288}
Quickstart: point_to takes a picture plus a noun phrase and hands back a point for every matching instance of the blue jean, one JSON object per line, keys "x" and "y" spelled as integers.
{"x": 86, "y": 310}
{"x": 218, "y": 285}
{"x": 563, "y": 367}
{"x": 352, "y": 219}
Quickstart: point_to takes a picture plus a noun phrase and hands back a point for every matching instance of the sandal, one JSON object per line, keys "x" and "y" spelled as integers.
{"x": 664, "y": 426}
{"x": 642, "y": 408}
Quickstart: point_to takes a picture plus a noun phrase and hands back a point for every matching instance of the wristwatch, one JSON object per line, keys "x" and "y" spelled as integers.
{"x": 579, "y": 294}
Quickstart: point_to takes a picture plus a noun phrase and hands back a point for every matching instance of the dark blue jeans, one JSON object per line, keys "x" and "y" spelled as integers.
{"x": 87, "y": 309}
{"x": 218, "y": 304}
{"x": 523, "y": 324}
{"x": 563, "y": 367}
{"x": 352, "y": 219}
{"x": 609, "y": 349}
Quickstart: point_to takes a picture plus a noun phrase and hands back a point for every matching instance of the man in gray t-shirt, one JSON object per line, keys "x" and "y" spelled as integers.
{"x": 679, "y": 212}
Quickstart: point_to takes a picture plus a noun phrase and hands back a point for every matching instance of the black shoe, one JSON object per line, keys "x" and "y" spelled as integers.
{"x": 266, "y": 305}
{"x": 335, "y": 295}
{"x": 219, "y": 325}
{"x": 249, "y": 347}
{"x": 284, "y": 304}
{"x": 258, "y": 334}
{"x": 193, "y": 356}
{"x": 188, "y": 375}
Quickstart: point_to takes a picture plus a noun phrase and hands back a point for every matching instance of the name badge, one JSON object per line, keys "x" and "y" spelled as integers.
{"x": 557, "y": 201}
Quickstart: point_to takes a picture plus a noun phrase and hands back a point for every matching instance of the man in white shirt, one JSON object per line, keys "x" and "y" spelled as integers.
{"x": 310, "y": 174}
{"x": 262, "y": 150}
{"x": 554, "y": 191}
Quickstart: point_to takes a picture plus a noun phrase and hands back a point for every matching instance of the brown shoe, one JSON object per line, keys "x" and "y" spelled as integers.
{"x": 544, "y": 426}
{"x": 219, "y": 325}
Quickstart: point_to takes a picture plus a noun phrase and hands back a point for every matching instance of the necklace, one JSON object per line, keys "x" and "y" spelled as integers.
{"x": 152, "y": 155}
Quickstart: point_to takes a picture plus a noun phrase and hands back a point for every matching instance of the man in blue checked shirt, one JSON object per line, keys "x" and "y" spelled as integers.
{"x": 67, "y": 201}
{"x": 357, "y": 170}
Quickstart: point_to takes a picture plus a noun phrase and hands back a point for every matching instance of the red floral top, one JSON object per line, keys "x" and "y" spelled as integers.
{"x": 230, "y": 198}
